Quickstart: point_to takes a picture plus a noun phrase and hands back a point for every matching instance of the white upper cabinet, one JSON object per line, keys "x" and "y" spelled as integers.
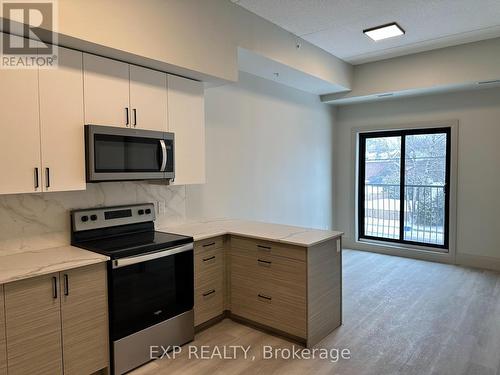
{"x": 20, "y": 131}
{"x": 186, "y": 119}
{"x": 61, "y": 124}
{"x": 106, "y": 84}
{"x": 148, "y": 99}
{"x": 119, "y": 94}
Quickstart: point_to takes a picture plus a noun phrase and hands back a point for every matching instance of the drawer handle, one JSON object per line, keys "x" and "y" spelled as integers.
{"x": 54, "y": 287}
{"x": 264, "y": 262}
{"x": 209, "y": 292}
{"x": 264, "y": 297}
{"x": 209, "y": 244}
{"x": 264, "y": 247}
{"x": 210, "y": 258}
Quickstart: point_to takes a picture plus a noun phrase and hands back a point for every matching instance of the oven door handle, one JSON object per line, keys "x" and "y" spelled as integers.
{"x": 163, "y": 155}
{"x": 123, "y": 262}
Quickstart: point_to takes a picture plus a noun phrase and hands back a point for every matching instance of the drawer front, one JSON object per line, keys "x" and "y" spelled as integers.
{"x": 286, "y": 276}
{"x": 268, "y": 247}
{"x": 208, "y": 300}
{"x": 208, "y": 244}
{"x": 263, "y": 304}
{"x": 208, "y": 266}
{"x": 270, "y": 294}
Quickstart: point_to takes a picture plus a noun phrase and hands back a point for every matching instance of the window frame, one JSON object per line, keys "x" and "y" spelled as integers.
{"x": 363, "y": 136}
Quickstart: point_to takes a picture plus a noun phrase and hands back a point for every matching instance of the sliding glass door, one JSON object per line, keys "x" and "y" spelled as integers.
{"x": 404, "y": 186}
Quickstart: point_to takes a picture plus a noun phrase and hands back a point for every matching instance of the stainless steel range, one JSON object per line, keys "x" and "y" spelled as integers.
{"x": 150, "y": 280}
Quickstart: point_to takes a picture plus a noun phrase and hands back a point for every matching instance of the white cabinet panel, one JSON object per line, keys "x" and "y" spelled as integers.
{"x": 148, "y": 98}
{"x": 186, "y": 118}
{"x": 61, "y": 123}
{"x": 20, "y": 131}
{"x": 106, "y": 85}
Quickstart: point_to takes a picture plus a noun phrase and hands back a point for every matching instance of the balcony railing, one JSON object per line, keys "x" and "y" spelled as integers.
{"x": 423, "y": 212}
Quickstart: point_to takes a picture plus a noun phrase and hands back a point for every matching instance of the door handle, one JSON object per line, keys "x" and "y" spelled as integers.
{"x": 163, "y": 155}
{"x": 127, "y": 120}
{"x": 208, "y": 293}
{"x": 209, "y": 258}
{"x": 265, "y": 297}
{"x": 47, "y": 177}
{"x": 135, "y": 117}
{"x": 264, "y": 262}
{"x": 66, "y": 285}
{"x": 54, "y": 287}
{"x": 37, "y": 185}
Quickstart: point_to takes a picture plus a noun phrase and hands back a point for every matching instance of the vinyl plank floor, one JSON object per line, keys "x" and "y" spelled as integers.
{"x": 401, "y": 317}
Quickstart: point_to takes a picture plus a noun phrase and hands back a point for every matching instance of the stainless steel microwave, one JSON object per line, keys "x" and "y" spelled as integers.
{"x": 123, "y": 154}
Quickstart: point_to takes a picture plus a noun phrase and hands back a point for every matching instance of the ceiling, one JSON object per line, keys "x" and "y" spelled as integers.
{"x": 336, "y": 25}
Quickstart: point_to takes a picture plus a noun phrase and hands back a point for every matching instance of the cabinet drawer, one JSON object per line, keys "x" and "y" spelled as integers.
{"x": 209, "y": 300}
{"x": 264, "y": 304}
{"x": 269, "y": 247}
{"x": 208, "y": 266}
{"x": 286, "y": 276}
{"x": 208, "y": 244}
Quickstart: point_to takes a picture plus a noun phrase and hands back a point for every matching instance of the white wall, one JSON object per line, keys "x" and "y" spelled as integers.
{"x": 269, "y": 155}
{"x": 478, "y": 202}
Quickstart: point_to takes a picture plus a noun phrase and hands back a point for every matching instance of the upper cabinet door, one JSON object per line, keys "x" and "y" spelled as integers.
{"x": 148, "y": 98}
{"x": 106, "y": 91}
{"x": 61, "y": 124}
{"x": 33, "y": 325}
{"x": 186, "y": 119}
{"x": 20, "y": 131}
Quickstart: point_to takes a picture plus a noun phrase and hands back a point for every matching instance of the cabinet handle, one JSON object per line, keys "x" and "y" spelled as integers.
{"x": 264, "y": 297}
{"x": 126, "y": 117}
{"x": 37, "y": 185}
{"x": 210, "y": 258}
{"x": 264, "y": 247}
{"x": 54, "y": 287}
{"x": 266, "y": 262}
{"x": 209, "y": 292}
{"x": 66, "y": 285}
{"x": 47, "y": 177}
{"x": 135, "y": 117}
{"x": 209, "y": 244}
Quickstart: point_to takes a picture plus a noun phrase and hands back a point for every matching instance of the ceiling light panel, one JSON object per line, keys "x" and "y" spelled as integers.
{"x": 390, "y": 30}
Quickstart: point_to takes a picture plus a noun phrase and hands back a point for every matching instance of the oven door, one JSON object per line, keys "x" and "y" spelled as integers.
{"x": 121, "y": 154}
{"x": 149, "y": 289}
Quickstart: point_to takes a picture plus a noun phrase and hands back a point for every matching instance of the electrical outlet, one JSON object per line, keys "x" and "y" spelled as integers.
{"x": 162, "y": 207}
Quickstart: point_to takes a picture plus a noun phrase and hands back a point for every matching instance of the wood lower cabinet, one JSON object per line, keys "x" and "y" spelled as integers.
{"x": 270, "y": 290}
{"x": 84, "y": 312}
{"x": 33, "y": 325}
{"x": 209, "y": 282}
{"x": 57, "y": 323}
{"x": 294, "y": 290}
{"x": 3, "y": 348}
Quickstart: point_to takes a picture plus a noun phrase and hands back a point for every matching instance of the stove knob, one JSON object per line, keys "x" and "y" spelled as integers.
{"x": 85, "y": 219}
{"x": 148, "y": 211}
{"x": 141, "y": 212}
{"x": 93, "y": 217}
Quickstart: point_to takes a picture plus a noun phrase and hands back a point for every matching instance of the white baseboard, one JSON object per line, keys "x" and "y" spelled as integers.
{"x": 399, "y": 251}
{"x": 478, "y": 261}
{"x": 467, "y": 260}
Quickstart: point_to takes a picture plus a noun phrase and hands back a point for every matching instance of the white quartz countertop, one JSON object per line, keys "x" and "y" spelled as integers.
{"x": 26, "y": 264}
{"x": 265, "y": 231}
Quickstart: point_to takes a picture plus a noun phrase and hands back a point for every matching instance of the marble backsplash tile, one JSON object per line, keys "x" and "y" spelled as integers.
{"x": 34, "y": 221}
